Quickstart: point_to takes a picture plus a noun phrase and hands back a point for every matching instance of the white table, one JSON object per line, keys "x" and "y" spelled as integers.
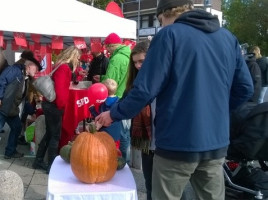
{"x": 63, "y": 185}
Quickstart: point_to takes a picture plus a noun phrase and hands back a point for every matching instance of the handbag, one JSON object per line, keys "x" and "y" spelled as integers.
{"x": 45, "y": 85}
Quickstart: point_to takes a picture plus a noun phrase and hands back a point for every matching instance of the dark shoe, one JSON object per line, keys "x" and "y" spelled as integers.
{"x": 40, "y": 165}
{"x": 14, "y": 155}
{"x": 21, "y": 140}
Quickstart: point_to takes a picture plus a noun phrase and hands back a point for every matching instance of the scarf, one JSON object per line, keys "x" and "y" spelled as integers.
{"x": 141, "y": 130}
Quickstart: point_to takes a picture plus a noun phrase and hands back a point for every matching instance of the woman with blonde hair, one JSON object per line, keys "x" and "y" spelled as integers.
{"x": 67, "y": 62}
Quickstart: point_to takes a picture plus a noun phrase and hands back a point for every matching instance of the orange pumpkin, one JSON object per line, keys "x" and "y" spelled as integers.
{"x": 94, "y": 157}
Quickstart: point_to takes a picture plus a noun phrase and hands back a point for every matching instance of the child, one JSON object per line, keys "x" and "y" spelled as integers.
{"x": 114, "y": 129}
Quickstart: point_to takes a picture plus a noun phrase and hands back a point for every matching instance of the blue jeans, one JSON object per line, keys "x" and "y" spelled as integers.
{"x": 262, "y": 95}
{"x": 125, "y": 142}
{"x": 15, "y": 129}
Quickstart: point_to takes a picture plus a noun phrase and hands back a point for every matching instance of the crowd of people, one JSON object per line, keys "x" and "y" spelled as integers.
{"x": 171, "y": 98}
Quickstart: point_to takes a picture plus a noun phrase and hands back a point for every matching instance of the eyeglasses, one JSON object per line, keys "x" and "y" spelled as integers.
{"x": 109, "y": 45}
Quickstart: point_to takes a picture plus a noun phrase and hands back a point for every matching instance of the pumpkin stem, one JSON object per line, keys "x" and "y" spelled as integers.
{"x": 92, "y": 127}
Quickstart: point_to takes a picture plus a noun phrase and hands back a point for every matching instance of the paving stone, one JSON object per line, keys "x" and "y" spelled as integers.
{"x": 39, "y": 179}
{"x": 36, "y": 192}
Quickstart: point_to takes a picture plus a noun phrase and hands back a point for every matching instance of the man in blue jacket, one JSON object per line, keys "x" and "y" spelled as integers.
{"x": 13, "y": 89}
{"x": 195, "y": 70}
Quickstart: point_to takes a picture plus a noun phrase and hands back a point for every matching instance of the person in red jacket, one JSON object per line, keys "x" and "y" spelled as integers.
{"x": 53, "y": 111}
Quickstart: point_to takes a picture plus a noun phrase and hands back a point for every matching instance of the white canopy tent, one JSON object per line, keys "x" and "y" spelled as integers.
{"x": 68, "y": 18}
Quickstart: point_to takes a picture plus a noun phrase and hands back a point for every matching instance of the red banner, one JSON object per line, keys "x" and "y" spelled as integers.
{"x": 79, "y": 42}
{"x": 129, "y": 43}
{"x": 4, "y": 45}
{"x": 36, "y": 37}
{"x": 95, "y": 40}
{"x": 96, "y": 47}
{"x": 14, "y": 46}
{"x": 37, "y": 46}
{"x": 20, "y": 39}
{"x": 45, "y": 61}
{"x": 57, "y": 42}
{"x": 48, "y": 48}
{"x": 1, "y": 39}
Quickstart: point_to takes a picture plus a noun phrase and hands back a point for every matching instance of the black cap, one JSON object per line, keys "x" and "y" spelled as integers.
{"x": 28, "y": 55}
{"x": 164, "y": 5}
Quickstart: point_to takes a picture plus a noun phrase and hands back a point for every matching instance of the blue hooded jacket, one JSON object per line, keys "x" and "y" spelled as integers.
{"x": 195, "y": 70}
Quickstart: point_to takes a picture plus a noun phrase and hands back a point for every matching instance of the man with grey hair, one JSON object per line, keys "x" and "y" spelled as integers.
{"x": 195, "y": 70}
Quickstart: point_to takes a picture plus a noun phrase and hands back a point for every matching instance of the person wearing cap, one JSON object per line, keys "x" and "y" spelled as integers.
{"x": 117, "y": 70}
{"x": 13, "y": 89}
{"x": 118, "y": 62}
{"x": 195, "y": 70}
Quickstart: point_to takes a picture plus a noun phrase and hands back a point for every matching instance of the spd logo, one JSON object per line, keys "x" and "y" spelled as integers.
{"x": 82, "y": 102}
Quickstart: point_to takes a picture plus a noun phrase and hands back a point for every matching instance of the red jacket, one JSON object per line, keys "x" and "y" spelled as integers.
{"x": 62, "y": 78}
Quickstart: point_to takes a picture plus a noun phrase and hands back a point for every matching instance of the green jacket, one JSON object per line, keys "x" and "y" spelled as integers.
{"x": 118, "y": 68}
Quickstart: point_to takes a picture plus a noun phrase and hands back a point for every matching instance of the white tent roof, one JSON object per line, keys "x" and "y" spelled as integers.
{"x": 61, "y": 18}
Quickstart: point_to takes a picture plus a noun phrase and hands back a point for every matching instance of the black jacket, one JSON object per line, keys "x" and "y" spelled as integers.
{"x": 256, "y": 77}
{"x": 263, "y": 64}
{"x": 98, "y": 66}
{"x": 11, "y": 86}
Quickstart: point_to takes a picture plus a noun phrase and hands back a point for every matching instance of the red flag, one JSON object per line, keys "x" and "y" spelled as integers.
{"x": 20, "y": 39}
{"x": 4, "y": 44}
{"x": 25, "y": 47}
{"x": 31, "y": 47}
{"x": 1, "y": 39}
{"x": 14, "y": 46}
{"x": 129, "y": 43}
{"x": 37, "y": 46}
{"x": 57, "y": 42}
{"x": 96, "y": 47}
{"x": 79, "y": 42}
{"x": 48, "y": 48}
{"x": 43, "y": 49}
{"x": 36, "y": 37}
{"x": 95, "y": 40}
{"x": 56, "y": 51}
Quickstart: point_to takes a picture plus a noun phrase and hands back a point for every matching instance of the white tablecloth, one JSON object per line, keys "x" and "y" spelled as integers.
{"x": 63, "y": 185}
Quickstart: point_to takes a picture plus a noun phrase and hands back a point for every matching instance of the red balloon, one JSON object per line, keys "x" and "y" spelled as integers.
{"x": 98, "y": 93}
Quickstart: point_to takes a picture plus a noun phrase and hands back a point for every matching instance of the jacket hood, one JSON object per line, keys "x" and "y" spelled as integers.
{"x": 200, "y": 19}
{"x": 122, "y": 49}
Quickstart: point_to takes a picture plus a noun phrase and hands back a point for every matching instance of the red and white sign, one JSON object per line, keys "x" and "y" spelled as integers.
{"x": 79, "y": 42}
{"x": 20, "y": 39}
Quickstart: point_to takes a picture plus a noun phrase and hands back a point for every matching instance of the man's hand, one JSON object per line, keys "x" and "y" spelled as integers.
{"x": 0, "y": 102}
{"x": 104, "y": 119}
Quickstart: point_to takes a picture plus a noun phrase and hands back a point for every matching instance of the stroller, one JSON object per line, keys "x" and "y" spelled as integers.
{"x": 248, "y": 142}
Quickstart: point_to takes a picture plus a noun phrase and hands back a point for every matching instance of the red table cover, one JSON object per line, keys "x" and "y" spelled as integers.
{"x": 76, "y": 110}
